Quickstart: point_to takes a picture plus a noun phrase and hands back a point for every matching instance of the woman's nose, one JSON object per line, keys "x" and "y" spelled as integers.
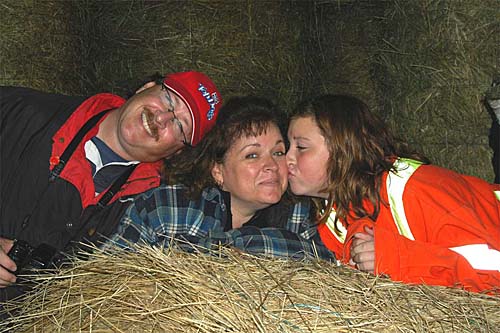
{"x": 271, "y": 163}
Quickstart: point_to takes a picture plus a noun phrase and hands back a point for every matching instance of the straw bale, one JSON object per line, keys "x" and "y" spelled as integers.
{"x": 38, "y": 47}
{"x": 424, "y": 65}
{"x": 247, "y": 47}
{"x": 437, "y": 58}
{"x": 155, "y": 290}
{"x": 342, "y": 39}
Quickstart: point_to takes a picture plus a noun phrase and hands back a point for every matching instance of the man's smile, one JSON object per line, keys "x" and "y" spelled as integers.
{"x": 149, "y": 124}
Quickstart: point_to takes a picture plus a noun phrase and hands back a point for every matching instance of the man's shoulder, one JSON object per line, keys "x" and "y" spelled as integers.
{"x": 35, "y": 103}
{"x": 163, "y": 190}
{"x": 212, "y": 194}
{"x": 164, "y": 195}
{"x": 180, "y": 197}
{"x": 173, "y": 203}
{"x": 31, "y": 95}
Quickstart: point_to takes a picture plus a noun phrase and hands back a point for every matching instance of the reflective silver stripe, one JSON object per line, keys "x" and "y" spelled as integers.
{"x": 396, "y": 182}
{"x": 479, "y": 256}
{"x": 330, "y": 223}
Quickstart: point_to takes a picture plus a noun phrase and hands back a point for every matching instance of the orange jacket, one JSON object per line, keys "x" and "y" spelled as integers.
{"x": 444, "y": 210}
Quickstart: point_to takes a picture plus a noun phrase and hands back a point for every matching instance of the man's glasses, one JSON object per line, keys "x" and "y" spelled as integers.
{"x": 180, "y": 133}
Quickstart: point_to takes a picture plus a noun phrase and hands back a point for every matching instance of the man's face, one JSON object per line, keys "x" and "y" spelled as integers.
{"x": 148, "y": 130}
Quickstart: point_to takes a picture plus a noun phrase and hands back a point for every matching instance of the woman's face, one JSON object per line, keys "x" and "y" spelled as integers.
{"x": 307, "y": 158}
{"x": 254, "y": 170}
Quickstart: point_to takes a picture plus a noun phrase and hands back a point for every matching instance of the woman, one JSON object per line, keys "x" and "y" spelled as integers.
{"x": 385, "y": 209}
{"x": 232, "y": 184}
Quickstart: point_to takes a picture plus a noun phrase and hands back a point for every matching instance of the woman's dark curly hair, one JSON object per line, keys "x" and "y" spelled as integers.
{"x": 361, "y": 149}
{"x": 238, "y": 117}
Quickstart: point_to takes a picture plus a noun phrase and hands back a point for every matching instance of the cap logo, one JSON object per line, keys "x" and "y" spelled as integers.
{"x": 212, "y": 100}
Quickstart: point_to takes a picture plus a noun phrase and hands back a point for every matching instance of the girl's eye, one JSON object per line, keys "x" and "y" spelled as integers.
{"x": 301, "y": 147}
{"x": 279, "y": 153}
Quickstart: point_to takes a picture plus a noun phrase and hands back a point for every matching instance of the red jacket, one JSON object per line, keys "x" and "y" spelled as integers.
{"x": 36, "y": 128}
{"x": 444, "y": 210}
{"x": 78, "y": 172}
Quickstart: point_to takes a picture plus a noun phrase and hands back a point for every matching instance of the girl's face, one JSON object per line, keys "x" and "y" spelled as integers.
{"x": 307, "y": 158}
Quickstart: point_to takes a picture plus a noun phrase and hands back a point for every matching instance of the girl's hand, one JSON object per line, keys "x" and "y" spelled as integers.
{"x": 363, "y": 251}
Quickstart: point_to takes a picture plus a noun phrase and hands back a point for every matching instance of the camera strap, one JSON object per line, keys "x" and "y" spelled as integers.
{"x": 66, "y": 155}
{"x": 106, "y": 197}
{"x": 70, "y": 149}
{"x": 96, "y": 222}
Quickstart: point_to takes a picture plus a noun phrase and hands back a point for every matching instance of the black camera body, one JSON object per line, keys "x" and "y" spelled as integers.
{"x": 27, "y": 257}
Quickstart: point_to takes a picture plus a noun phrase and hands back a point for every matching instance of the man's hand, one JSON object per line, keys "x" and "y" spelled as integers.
{"x": 363, "y": 251}
{"x": 6, "y": 264}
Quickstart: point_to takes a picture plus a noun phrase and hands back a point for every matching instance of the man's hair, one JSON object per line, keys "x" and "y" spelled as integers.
{"x": 156, "y": 78}
{"x": 239, "y": 117}
{"x": 361, "y": 149}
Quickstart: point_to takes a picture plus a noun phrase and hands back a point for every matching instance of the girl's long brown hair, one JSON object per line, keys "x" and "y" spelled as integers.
{"x": 361, "y": 149}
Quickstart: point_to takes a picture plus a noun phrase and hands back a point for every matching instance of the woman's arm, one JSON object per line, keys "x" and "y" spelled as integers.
{"x": 272, "y": 242}
{"x": 164, "y": 213}
{"x": 161, "y": 216}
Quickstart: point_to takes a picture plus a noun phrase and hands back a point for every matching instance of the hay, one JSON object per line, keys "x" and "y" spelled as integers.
{"x": 38, "y": 47}
{"x": 437, "y": 59}
{"x": 247, "y": 47}
{"x": 425, "y": 65}
{"x": 342, "y": 39}
{"x": 155, "y": 291}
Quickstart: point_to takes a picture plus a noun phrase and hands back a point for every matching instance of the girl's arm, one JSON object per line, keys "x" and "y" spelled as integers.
{"x": 413, "y": 261}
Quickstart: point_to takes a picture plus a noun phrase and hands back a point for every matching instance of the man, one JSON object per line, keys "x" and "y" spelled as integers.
{"x": 69, "y": 165}
{"x": 493, "y": 102}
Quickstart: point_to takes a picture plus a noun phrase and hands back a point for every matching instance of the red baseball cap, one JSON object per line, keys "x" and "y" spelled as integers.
{"x": 202, "y": 98}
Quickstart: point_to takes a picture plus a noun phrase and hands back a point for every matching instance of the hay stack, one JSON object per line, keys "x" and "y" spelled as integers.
{"x": 436, "y": 61}
{"x": 247, "y": 47}
{"x": 38, "y": 47}
{"x": 425, "y": 63}
{"x": 342, "y": 38}
{"x": 171, "y": 291}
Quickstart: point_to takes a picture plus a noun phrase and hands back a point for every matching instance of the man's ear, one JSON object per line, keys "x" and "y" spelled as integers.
{"x": 146, "y": 86}
{"x": 217, "y": 174}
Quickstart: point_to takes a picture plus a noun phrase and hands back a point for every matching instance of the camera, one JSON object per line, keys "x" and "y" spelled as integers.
{"x": 27, "y": 257}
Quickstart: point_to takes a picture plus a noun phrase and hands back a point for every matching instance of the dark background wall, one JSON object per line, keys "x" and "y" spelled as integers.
{"x": 424, "y": 65}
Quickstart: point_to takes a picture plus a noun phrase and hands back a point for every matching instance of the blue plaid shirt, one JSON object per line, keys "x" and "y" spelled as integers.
{"x": 166, "y": 213}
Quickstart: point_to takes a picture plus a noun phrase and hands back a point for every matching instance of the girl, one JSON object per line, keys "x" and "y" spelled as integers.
{"x": 386, "y": 210}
